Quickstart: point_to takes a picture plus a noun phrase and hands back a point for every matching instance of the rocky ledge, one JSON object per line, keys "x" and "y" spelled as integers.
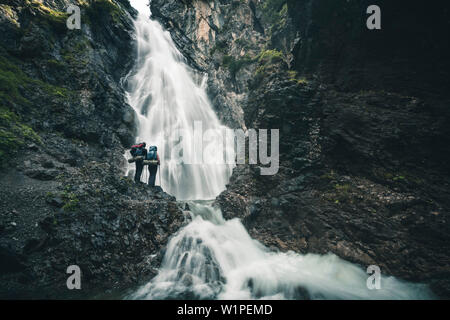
{"x": 64, "y": 127}
{"x": 113, "y": 229}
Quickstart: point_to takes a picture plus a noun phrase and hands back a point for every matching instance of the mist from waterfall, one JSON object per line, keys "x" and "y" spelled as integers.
{"x": 214, "y": 258}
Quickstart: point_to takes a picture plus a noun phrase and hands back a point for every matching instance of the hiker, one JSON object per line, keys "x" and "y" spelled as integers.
{"x": 139, "y": 151}
{"x": 153, "y": 163}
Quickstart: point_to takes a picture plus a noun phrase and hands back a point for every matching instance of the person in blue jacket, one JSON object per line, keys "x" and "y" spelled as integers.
{"x": 152, "y": 154}
{"x": 139, "y": 150}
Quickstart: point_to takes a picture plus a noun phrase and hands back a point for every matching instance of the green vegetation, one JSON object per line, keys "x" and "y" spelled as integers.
{"x": 338, "y": 193}
{"x": 13, "y": 134}
{"x": 71, "y": 202}
{"x": 293, "y": 76}
{"x": 343, "y": 193}
{"x": 274, "y": 9}
{"x": 7, "y": 9}
{"x": 270, "y": 56}
{"x": 76, "y": 54}
{"x": 13, "y": 81}
{"x": 95, "y": 10}
{"x": 234, "y": 65}
{"x": 275, "y": 14}
{"x": 329, "y": 176}
{"x": 53, "y": 18}
{"x": 267, "y": 58}
{"x": 49, "y": 196}
{"x": 101, "y": 8}
{"x": 342, "y": 187}
{"x": 9, "y": 14}
{"x": 401, "y": 176}
{"x": 55, "y": 64}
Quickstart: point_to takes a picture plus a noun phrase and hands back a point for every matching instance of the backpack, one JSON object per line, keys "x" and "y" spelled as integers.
{"x": 151, "y": 154}
{"x": 137, "y": 150}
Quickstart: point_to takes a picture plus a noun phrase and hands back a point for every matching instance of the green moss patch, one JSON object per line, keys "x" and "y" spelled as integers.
{"x": 14, "y": 134}
{"x": 14, "y": 84}
{"x": 55, "y": 19}
{"x": 234, "y": 65}
{"x": 270, "y": 56}
{"x": 237, "y": 64}
{"x": 71, "y": 201}
{"x": 99, "y": 9}
{"x": 267, "y": 59}
{"x": 293, "y": 76}
{"x": 275, "y": 13}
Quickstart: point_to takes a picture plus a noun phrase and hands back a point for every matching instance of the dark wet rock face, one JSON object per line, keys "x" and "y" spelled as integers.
{"x": 62, "y": 80}
{"x": 65, "y": 125}
{"x": 113, "y": 229}
{"x": 362, "y": 116}
{"x": 364, "y": 161}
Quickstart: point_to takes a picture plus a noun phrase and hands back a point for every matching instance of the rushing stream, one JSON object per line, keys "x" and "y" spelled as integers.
{"x": 214, "y": 258}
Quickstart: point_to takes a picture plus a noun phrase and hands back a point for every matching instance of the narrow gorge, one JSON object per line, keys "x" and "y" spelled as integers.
{"x": 363, "y": 175}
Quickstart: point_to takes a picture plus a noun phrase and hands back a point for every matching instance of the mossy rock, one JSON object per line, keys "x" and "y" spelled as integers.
{"x": 234, "y": 65}
{"x": 14, "y": 84}
{"x": 275, "y": 13}
{"x": 71, "y": 201}
{"x": 270, "y": 56}
{"x": 293, "y": 76}
{"x": 14, "y": 135}
{"x": 98, "y": 10}
{"x": 48, "y": 16}
{"x": 12, "y": 81}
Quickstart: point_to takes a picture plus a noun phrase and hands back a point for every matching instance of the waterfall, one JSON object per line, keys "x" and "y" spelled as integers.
{"x": 214, "y": 258}
{"x": 168, "y": 101}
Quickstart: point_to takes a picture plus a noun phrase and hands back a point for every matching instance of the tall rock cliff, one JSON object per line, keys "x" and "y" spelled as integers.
{"x": 64, "y": 127}
{"x": 362, "y": 116}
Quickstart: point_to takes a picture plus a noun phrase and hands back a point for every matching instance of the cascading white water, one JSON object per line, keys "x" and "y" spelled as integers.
{"x": 167, "y": 100}
{"x": 212, "y": 258}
